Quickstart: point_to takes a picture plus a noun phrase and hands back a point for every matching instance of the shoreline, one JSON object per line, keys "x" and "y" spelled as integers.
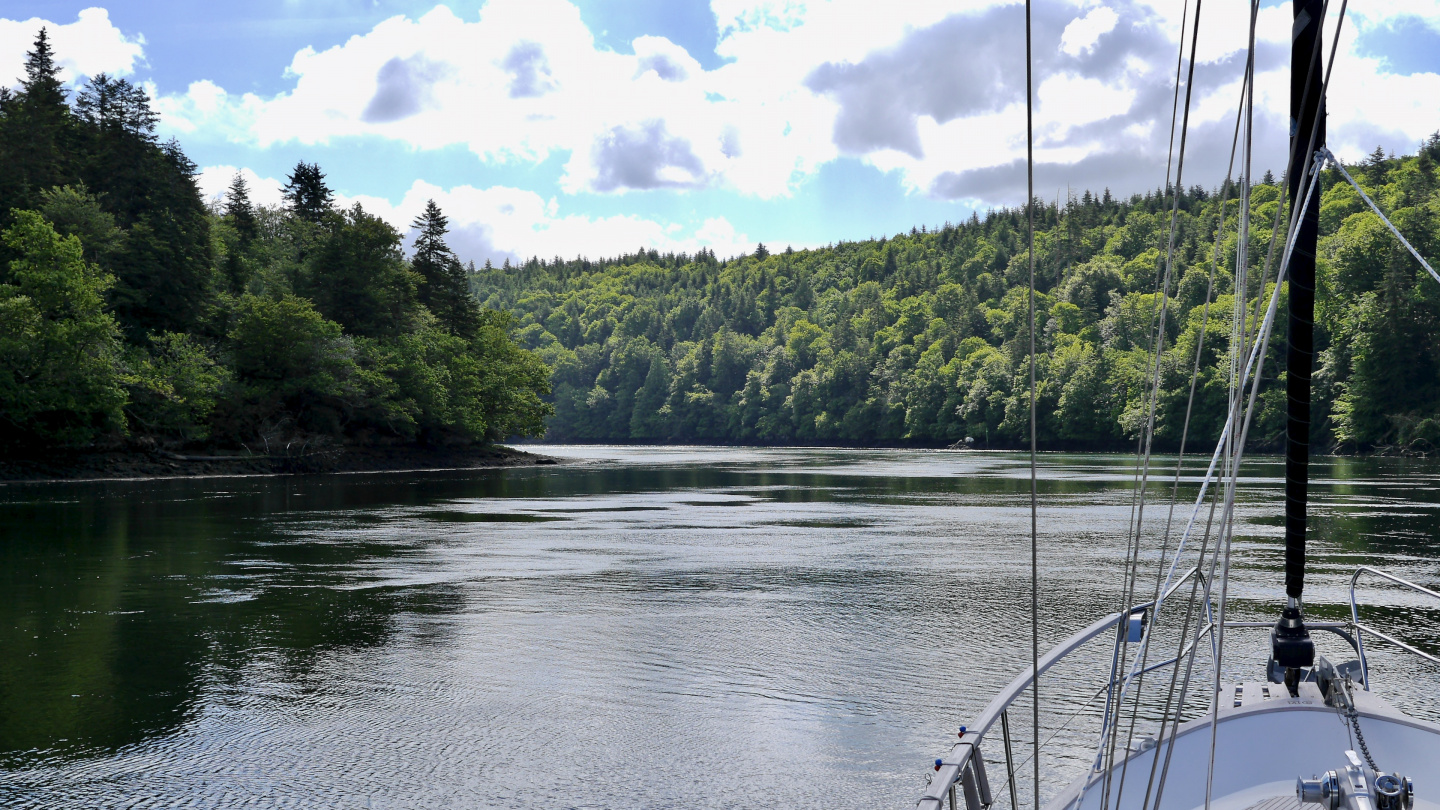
{"x": 77, "y": 467}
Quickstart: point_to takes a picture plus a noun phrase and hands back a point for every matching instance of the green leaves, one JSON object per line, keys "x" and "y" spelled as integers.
{"x": 60, "y": 372}
{"x": 923, "y": 338}
{"x": 173, "y": 387}
{"x": 267, "y": 326}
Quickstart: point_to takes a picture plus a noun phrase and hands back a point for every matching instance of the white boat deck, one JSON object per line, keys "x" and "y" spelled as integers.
{"x": 1265, "y": 741}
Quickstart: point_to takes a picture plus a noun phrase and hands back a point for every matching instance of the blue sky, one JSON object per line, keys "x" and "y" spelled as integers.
{"x": 573, "y": 127}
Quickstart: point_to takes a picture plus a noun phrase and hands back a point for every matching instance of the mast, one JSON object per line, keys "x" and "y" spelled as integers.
{"x": 1291, "y": 646}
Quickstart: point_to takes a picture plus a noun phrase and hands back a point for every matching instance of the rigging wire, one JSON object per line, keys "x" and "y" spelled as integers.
{"x": 1185, "y": 628}
{"x": 1034, "y": 505}
{"x": 1131, "y": 539}
{"x": 1334, "y": 161}
{"x": 1227, "y": 528}
{"x": 1116, "y": 689}
{"x": 1227, "y": 515}
{"x": 1261, "y": 340}
{"x": 1144, "y": 656}
{"x": 1116, "y": 694}
{"x": 1149, "y": 432}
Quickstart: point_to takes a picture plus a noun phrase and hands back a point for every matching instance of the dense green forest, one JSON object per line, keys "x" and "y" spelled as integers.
{"x": 923, "y": 339}
{"x": 132, "y": 313}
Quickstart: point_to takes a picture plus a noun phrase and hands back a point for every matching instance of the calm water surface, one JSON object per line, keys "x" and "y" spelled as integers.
{"x": 653, "y": 627}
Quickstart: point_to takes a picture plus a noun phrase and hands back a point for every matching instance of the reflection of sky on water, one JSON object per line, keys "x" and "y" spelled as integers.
{"x": 757, "y": 627}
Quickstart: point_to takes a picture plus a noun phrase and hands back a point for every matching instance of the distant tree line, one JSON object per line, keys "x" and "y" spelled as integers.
{"x": 922, "y": 339}
{"x": 131, "y": 311}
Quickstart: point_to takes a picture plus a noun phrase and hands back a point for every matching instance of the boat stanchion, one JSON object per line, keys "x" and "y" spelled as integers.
{"x": 1009, "y": 758}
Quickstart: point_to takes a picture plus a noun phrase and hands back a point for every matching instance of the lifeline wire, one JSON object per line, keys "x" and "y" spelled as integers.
{"x": 1034, "y": 506}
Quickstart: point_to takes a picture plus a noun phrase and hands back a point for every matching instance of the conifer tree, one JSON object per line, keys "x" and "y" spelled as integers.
{"x": 115, "y": 105}
{"x": 305, "y": 189}
{"x": 42, "y": 84}
{"x": 446, "y": 290}
{"x": 240, "y": 210}
{"x": 36, "y": 133}
{"x": 1375, "y": 164}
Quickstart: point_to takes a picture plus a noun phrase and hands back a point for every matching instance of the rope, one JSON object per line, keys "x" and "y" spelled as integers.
{"x": 1256, "y": 361}
{"x": 1295, "y": 214}
{"x": 1034, "y": 504}
{"x": 1204, "y": 545}
{"x": 1334, "y": 161}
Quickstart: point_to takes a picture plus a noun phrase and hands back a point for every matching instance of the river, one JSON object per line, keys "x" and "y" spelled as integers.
{"x": 644, "y": 627}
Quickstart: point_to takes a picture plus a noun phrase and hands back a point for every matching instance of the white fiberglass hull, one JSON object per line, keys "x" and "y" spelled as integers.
{"x": 1262, "y": 746}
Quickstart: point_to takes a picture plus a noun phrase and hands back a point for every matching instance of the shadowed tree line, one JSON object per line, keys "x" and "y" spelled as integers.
{"x": 131, "y": 310}
{"x": 922, "y": 338}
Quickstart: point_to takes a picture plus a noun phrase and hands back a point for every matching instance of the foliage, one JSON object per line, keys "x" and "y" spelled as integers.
{"x": 60, "y": 373}
{"x": 307, "y": 193}
{"x": 173, "y": 387}
{"x": 270, "y": 328}
{"x": 445, "y": 289}
{"x": 923, "y": 338}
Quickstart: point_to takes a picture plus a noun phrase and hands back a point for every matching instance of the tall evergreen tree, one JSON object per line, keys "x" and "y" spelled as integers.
{"x": 305, "y": 189}
{"x": 446, "y": 288}
{"x": 36, "y": 133}
{"x": 357, "y": 276}
{"x": 166, "y": 277}
{"x": 42, "y": 76}
{"x": 1375, "y": 165}
{"x": 240, "y": 210}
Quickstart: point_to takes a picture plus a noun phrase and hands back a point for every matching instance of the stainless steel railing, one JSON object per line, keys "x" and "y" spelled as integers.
{"x": 1362, "y": 629}
{"x": 965, "y": 767}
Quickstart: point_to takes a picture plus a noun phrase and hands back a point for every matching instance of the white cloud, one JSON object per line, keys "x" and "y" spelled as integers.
{"x": 501, "y": 221}
{"x": 804, "y": 81}
{"x": 214, "y": 182}
{"x": 89, "y": 46}
{"x": 1083, "y": 32}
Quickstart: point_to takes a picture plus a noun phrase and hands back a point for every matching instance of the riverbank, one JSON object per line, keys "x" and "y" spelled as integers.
{"x": 82, "y": 466}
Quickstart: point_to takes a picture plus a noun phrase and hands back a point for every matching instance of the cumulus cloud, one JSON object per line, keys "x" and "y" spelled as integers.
{"x": 403, "y": 87}
{"x": 525, "y": 80}
{"x": 214, "y": 182}
{"x": 645, "y": 157}
{"x": 930, "y": 89}
{"x": 954, "y": 68}
{"x": 529, "y": 70}
{"x": 89, "y": 46}
{"x": 502, "y": 222}
{"x": 1083, "y": 32}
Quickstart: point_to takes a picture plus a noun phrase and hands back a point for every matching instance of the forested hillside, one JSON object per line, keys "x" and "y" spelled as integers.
{"x": 129, "y": 312}
{"x": 922, "y": 338}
